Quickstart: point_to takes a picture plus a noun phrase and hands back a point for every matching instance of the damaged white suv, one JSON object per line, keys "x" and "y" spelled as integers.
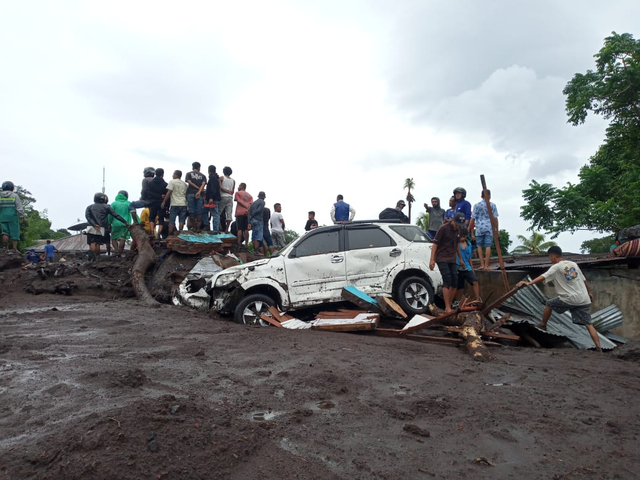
{"x": 377, "y": 257}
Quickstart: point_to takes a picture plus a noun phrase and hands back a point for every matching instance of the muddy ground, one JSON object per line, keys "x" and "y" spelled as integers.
{"x": 94, "y": 385}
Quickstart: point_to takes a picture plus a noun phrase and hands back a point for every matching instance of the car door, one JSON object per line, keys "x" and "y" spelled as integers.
{"x": 315, "y": 268}
{"x": 371, "y": 254}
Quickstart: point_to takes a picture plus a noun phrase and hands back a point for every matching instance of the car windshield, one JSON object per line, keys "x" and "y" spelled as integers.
{"x": 411, "y": 233}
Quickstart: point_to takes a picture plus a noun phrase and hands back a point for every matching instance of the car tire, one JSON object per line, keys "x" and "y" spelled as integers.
{"x": 414, "y": 294}
{"x": 251, "y": 307}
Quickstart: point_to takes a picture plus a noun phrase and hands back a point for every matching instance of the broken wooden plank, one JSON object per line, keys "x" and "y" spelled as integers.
{"x": 500, "y": 300}
{"x": 295, "y": 324}
{"x": 500, "y": 322}
{"x": 272, "y": 321}
{"x": 281, "y": 317}
{"x": 390, "y": 308}
{"x": 364, "y": 321}
{"x": 385, "y": 332}
{"x": 359, "y": 298}
{"x": 438, "y": 319}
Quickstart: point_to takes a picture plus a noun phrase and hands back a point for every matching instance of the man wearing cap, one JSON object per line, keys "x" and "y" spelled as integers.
{"x": 443, "y": 252}
{"x": 256, "y": 218}
{"x": 394, "y": 213}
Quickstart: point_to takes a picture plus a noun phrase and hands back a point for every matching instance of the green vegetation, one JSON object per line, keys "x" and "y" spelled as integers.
{"x": 605, "y": 199}
{"x": 505, "y": 242}
{"x": 39, "y": 226}
{"x": 598, "y": 245}
{"x": 534, "y": 244}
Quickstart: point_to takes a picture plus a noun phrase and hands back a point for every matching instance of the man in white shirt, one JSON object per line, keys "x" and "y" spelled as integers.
{"x": 277, "y": 228}
{"x": 573, "y": 291}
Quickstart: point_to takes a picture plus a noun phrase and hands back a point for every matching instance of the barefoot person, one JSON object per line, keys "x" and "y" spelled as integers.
{"x": 443, "y": 252}
{"x": 465, "y": 268}
{"x": 573, "y": 291}
{"x": 482, "y": 230}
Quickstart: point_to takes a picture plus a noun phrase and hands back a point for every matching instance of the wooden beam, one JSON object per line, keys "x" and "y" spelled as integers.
{"x": 500, "y": 300}
{"x": 272, "y": 321}
{"x": 500, "y": 322}
{"x": 438, "y": 319}
{"x": 496, "y": 232}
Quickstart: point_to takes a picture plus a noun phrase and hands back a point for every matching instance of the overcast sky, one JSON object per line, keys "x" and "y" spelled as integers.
{"x": 303, "y": 100}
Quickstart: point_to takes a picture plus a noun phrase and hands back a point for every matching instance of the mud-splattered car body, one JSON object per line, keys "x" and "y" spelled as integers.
{"x": 376, "y": 257}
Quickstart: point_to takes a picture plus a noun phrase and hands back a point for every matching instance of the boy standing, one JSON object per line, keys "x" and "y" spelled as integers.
{"x": 312, "y": 218}
{"x": 244, "y": 201}
{"x": 465, "y": 269}
{"x": 443, "y": 252}
{"x": 573, "y": 291}
{"x": 49, "y": 252}
{"x": 483, "y": 233}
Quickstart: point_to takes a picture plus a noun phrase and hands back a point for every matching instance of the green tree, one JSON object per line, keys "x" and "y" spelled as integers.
{"x": 505, "y": 242}
{"x": 423, "y": 221}
{"x": 598, "y": 245}
{"x": 534, "y": 244}
{"x": 409, "y": 184}
{"x": 605, "y": 198}
{"x": 290, "y": 235}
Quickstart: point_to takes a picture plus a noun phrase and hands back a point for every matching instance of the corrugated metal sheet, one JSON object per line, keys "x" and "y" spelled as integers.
{"x": 615, "y": 338}
{"x": 535, "y": 262}
{"x": 72, "y": 243}
{"x": 531, "y": 301}
{"x": 607, "y": 319}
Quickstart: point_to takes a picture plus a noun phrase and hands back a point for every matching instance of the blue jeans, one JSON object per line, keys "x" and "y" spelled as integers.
{"x": 257, "y": 227}
{"x": 194, "y": 204}
{"x": 214, "y": 215}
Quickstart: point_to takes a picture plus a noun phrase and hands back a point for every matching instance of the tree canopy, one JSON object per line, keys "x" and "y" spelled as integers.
{"x": 39, "y": 226}
{"x": 534, "y": 244}
{"x": 605, "y": 198}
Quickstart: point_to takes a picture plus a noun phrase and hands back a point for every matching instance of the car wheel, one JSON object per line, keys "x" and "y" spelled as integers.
{"x": 251, "y": 307}
{"x": 414, "y": 294}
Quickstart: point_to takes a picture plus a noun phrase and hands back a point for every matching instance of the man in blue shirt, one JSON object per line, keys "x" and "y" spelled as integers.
{"x": 49, "y": 252}
{"x": 462, "y": 206}
{"x": 482, "y": 230}
{"x": 32, "y": 256}
{"x": 341, "y": 211}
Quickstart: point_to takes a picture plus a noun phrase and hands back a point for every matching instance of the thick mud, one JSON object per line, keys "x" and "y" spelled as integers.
{"x": 110, "y": 389}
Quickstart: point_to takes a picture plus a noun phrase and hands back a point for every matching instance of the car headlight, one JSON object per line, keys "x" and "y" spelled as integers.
{"x": 226, "y": 278}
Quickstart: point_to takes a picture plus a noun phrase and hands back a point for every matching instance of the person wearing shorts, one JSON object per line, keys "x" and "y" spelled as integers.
{"x": 227, "y": 190}
{"x": 256, "y": 217}
{"x": 267, "y": 241}
{"x": 574, "y": 294}
{"x": 465, "y": 269}
{"x": 277, "y": 227}
{"x": 482, "y": 230}
{"x": 243, "y": 202}
{"x": 443, "y": 253}
{"x": 11, "y": 212}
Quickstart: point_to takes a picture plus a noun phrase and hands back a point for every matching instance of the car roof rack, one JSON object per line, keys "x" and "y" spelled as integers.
{"x": 390, "y": 220}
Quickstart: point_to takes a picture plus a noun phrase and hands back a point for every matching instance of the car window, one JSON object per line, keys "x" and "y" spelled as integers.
{"x": 319, "y": 243}
{"x": 371, "y": 237}
{"x": 411, "y": 233}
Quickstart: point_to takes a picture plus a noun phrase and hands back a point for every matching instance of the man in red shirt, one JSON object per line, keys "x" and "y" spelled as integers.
{"x": 443, "y": 252}
{"x": 243, "y": 201}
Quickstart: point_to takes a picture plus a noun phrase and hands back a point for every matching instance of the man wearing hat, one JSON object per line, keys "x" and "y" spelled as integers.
{"x": 443, "y": 252}
{"x": 394, "y": 213}
{"x": 256, "y": 211}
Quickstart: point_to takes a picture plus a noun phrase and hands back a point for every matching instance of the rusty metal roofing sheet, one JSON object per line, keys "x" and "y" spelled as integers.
{"x": 531, "y": 301}
{"x": 72, "y": 243}
{"x": 534, "y": 262}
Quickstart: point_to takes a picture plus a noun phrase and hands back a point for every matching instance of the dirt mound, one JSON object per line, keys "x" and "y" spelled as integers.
{"x": 167, "y": 437}
{"x": 629, "y": 352}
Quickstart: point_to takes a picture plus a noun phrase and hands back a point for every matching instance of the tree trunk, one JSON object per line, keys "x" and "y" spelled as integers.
{"x": 471, "y": 323}
{"x": 146, "y": 257}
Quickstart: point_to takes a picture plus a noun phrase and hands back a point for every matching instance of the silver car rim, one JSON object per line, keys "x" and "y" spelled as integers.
{"x": 417, "y": 296}
{"x": 252, "y": 312}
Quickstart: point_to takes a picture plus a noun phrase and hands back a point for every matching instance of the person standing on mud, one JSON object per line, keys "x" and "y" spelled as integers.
{"x": 97, "y": 215}
{"x": 213, "y": 197}
{"x": 227, "y": 191}
{"x": 443, "y": 252}
{"x": 574, "y": 294}
{"x": 277, "y": 227}
{"x": 11, "y": 212}
{"x": 256, "y": 218}
{"x": 196, "y": 182}
{"x": 120, "y": 231}
{"x": 157, "y": 192}
{"x": 436, "y": 216}
{"x": 177, "y": 196}
{"x": 243, "y": 202}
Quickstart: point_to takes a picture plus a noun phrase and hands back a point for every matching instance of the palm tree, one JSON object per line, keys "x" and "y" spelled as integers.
{"x": 534, "y": 244}
{"x": 409, "y": 184}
